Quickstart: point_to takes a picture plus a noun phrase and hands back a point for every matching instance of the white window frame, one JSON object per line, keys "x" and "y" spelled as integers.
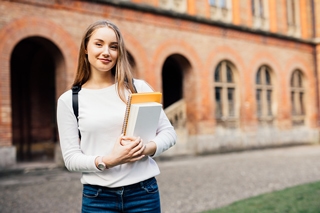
{"x": 229, "y": 117}
{"x": 297, "y": 87}
{"x": 179, "y": 6}
{"x": 265, "y": 112}
{"x": 260, "y": 14}
{"x": 293, "y": 18}
{"x": 221, "y": 10}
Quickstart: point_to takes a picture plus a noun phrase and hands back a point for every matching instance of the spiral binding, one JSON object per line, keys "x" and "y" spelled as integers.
{"x": 126, "y": 116}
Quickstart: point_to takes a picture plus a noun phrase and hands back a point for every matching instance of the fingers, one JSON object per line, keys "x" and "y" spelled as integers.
{"x": 139, "y": 157}
{"x": 138, "y": 150}
{"x": 129, "y": 149}
{"x": 129, "y": 137}
{"x": 137, "y": 147}
{"x": 132, "y": 141}
{"x": 125, "y": 140}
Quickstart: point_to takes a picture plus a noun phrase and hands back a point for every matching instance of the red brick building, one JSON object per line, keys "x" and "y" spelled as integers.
{"x": 235, "y": 74}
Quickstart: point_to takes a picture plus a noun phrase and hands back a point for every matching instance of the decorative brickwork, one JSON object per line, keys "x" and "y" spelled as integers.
{"x": 12, "y": 33}
{"x": 197, "y": 44}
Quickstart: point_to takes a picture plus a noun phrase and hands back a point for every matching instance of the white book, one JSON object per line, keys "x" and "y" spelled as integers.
{"x": 143, "y": 120}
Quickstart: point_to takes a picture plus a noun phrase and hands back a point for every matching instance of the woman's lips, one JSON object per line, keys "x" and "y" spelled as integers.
{"x": 103, "y": 60}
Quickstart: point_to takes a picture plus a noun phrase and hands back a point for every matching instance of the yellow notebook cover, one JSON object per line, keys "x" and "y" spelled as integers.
{"x": 135, "y": 98}
{"x": 145, "y": 97}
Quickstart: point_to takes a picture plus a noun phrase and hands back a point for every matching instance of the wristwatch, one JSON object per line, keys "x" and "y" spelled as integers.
{"x": 101, "y": 165}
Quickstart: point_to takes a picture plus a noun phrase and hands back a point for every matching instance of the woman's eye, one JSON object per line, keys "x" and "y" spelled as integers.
{"x": 114, "y": 47}
{"x": 99, "y": 44}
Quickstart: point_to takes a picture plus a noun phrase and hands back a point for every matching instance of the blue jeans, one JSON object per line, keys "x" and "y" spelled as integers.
{"x": 139, "y": 197}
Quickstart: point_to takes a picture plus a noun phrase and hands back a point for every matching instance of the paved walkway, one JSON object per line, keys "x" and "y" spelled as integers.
{"x": 187, "y": 185}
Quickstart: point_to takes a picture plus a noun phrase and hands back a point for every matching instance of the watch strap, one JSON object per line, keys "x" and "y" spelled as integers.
{"x": 101, "y": 165}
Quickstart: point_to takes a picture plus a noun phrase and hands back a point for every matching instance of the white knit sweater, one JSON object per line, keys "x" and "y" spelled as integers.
{"x": 101, "y": 114}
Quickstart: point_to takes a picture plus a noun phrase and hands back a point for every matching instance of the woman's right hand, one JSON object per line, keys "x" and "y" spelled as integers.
{"x": 130, "y": 151}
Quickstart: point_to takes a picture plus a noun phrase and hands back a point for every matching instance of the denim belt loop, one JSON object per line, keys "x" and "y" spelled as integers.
{"x": 135, "y": 185}
{"x": 122, "y": 199}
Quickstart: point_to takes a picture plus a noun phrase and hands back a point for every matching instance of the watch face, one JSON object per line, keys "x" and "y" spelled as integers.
{"x": 101, "y": 166}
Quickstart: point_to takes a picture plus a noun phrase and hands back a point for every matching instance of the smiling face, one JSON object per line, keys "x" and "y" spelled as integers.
{"x": 102, "y": 50}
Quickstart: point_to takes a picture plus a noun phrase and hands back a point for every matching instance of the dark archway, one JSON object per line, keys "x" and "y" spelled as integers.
{"x": 172, "y": 80}
{"x": 33, "y": 94}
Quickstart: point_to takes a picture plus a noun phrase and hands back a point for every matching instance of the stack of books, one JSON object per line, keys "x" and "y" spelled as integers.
{"x": 142, "y": 115}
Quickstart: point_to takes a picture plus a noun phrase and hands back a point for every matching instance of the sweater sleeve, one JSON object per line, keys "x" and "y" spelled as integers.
{"x": 74, "y": 158}
{"x": 166, "y": 136}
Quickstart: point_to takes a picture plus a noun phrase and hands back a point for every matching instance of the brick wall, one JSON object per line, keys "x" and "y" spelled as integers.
{"x": 151, "y": 38}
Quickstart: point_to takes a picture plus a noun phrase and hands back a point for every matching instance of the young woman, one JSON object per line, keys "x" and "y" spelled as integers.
{"x": 117, "y": 172}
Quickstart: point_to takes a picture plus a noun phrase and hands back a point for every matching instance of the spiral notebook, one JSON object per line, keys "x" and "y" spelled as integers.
{"x": 142, "y": 115}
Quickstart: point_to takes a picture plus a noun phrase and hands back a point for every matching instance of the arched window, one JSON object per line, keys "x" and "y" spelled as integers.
{"x": 297, "y": 98}
{"x": 225, "y": 94}
{"x": 264, "y": 94}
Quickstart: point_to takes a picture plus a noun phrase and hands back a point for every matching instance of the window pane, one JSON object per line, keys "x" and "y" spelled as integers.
{"x": 289, "y": 12}
{"x": 231, "y": 101}
{"x": 296, "y": 78}
{"x": 301, "y": 103}
{"x": 252, "y": 7}
{"x": 217, "y": 73}
{"x": 297, "y": 95}
{"x": 229, "y": 74}
{"x": 292, "y": 80}
{"x": 293, "y": 104}
{"x": 299, "y": 78}
{"x": 261, "y": 12}
{"x": 212, "y": 2}
{"x": 259, "y": 102}
{"x": 269, "y": 102}
{"x": 223, "y": 4}
{"x": 293, "y": 19}
{"x": 218, "y": 3}
{"x": 258, "y": 76}
{"x": 268, "y": 80}
{"x": 218, "y": 94}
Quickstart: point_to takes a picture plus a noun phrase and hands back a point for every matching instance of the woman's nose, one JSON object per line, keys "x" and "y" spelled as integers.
{"x": 106, "y": 52}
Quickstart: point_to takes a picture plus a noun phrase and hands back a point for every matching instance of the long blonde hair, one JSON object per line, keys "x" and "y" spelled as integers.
{"x": 122, "y": 68}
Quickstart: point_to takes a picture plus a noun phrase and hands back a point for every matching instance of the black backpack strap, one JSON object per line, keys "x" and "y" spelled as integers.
{"x": 75, "y": 102}
{"x": 127, "y": 81}
{"x": 134, "y": 87}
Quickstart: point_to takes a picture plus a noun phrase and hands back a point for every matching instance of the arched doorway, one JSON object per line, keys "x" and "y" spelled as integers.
{"x": 176, "y": 79}
{"x": 172, "y": 78}
{"x": 33, "y": 63}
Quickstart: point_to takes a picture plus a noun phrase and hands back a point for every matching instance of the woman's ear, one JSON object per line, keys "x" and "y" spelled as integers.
{"x": 85, "y": 51}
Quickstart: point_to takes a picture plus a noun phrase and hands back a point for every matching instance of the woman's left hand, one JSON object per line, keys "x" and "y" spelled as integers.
{"x": 150, "y": 148}
{"x": 127, "y": 140}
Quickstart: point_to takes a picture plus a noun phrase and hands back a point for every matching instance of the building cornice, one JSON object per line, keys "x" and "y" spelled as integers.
{"x": 202, "y": 20}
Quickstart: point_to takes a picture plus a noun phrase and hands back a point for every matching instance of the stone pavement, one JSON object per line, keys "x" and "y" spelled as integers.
{"x": 187, "y": 185}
